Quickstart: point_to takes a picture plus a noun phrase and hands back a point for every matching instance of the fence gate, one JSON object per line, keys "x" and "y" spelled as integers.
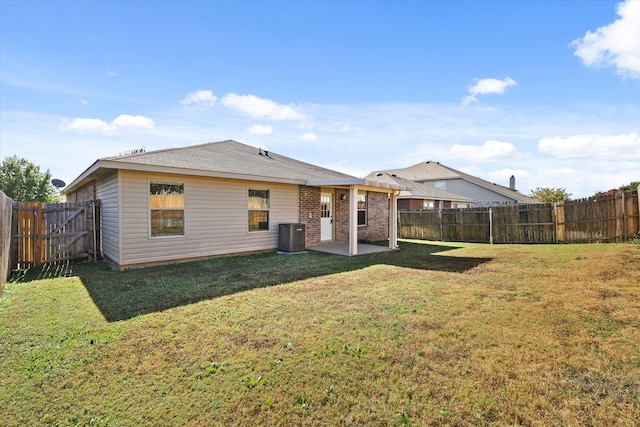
{"x": 56, "y": 232}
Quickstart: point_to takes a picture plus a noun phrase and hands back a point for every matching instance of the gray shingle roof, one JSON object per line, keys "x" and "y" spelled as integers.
{"x": 417, "y": 189}
{"x": 432, "y": 171}
{"x": 231, "y": 157}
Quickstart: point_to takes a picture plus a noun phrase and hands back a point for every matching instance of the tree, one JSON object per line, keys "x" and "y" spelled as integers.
{"x": 630, "y": 187}
{"x": 23, "y": 181}
{"x": 550, "y": 194}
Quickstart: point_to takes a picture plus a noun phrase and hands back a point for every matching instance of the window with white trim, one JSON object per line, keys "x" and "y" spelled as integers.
{"x": 258, "y": 207}
{"x": 362, "y": 208}
{"x": 166, "y": 209}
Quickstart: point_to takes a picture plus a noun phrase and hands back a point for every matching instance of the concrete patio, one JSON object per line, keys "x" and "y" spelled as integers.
{"x": 343, "y": 248}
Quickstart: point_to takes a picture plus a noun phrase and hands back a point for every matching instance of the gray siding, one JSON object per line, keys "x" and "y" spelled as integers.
{"x": 107, "y": 192}
{"x": 215, "y": 218}
{"x": 471, "y": 190}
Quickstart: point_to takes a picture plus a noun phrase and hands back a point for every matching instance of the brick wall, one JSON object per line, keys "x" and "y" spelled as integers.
{"x": 377, "y": 227}
{"x": 341, "y": 216}
{"x": 309, "y": 208}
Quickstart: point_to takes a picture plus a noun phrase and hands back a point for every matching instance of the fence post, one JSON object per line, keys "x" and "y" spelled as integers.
{"x": 560, "y": 230}
{"x": 39, "y": 235}
{"x": 95, "y": 237}
{"x": 490, "y": 226}
{"x": 441, "y": 226}
{"x": 624, "y": 221}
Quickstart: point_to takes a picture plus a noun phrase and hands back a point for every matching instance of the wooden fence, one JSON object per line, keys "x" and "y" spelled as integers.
{"x": 6, "y": 233}
{"x": 612, "y": 218}
{"x": 55, "y": 232}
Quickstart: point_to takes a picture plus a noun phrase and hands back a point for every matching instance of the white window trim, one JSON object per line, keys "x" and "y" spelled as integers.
{"x": 149, "y": 209}
{"x": 268, "y": 210}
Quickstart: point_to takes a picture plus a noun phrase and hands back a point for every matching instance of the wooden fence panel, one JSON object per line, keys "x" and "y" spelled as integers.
{"x": 613, "y": 218}
{"x": 56, "y": 232}
{"x": 422, "y": 225}
{"x": 524, "y": 223}
{"x": 465, "y": 225}
{"x": 6, "y": 237}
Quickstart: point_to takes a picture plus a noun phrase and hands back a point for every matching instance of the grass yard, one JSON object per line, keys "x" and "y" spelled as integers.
{"x": 436, "y": 334}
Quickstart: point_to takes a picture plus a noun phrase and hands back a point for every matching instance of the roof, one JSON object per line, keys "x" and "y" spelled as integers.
{"x": 417, "y": 189}
{"x": 434, "y": 171}
{"x": 224, "y": 159}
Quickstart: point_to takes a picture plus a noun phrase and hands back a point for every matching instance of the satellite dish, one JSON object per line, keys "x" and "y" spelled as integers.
{"x": 58, "y": 183}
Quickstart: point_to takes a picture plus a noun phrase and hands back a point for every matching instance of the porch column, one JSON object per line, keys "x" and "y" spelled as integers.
{"x": 393, "y": 220}
{"x": 353, "y": 220}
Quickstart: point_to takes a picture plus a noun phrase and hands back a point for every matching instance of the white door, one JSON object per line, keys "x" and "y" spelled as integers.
{"x": 326, "y": 217}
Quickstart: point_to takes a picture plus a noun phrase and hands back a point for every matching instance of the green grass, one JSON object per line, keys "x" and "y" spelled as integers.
{"x": 435, "y": 334}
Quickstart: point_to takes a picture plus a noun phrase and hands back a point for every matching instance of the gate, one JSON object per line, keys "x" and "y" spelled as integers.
{"x": 56, "y": 232}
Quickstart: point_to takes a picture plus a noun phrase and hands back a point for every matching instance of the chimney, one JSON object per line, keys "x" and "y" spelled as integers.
{"x": 512, "y": 182}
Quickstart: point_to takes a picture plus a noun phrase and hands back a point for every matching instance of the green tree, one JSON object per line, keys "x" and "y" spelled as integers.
{"x": 23, "y": 181}
{"x": 550, "y": 194}
{"x": 630, "y": 187}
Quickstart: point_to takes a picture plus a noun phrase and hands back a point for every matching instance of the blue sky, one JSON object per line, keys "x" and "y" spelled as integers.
{"x": 548, "y": 91}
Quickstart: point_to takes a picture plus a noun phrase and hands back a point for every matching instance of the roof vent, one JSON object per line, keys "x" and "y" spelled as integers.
{"x": 393, "y": 175}
{"x": 379, "y": 174}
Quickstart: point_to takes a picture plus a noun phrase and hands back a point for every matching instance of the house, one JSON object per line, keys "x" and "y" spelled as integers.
{"x": 419, "y": 196}
{"x": 227, "y": 198}
{"x": 441, "y": 177}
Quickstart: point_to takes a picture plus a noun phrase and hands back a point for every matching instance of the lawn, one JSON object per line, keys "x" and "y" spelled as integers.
{"x": 434, "y": 334}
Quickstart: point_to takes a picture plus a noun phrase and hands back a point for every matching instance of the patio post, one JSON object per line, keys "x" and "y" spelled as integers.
{"x": 353, "y": 220}
{"x": 393, "y": 220}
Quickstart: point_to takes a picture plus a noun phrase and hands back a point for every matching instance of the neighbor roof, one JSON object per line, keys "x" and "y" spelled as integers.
{"x": 434, "y": 171}
{"x": 417, "y": 189}
{"x": 224, "y": 159}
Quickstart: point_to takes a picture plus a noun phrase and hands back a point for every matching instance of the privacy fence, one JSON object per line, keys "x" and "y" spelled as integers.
{"x": 6, "y": 233}
{"x": 611, "y": 218}
{"x": 32, "y": 234}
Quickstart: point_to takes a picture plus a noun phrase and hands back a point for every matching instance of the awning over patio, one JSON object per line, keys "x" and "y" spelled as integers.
{"x": 354, "y": 185}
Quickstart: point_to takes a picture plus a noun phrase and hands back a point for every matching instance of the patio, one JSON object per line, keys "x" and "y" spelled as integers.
{"x": 342, "y": 248}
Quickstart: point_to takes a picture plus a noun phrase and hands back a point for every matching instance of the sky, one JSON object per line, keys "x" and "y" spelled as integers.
{"x": 547, "y": 91}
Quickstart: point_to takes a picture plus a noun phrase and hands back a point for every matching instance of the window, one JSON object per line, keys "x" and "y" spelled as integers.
{"x": 441, "y": 185}
{"x": 362, "y": 208}
{"x": 427, "y": 204}
{"x": 166, "y": 206}
{"x": 258, "y": 206}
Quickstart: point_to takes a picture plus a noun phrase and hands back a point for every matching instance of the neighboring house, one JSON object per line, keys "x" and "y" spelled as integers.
{"x": 226, "y": 198}
{"x": 484, "y": 193}
{"x": 420, "y": 196}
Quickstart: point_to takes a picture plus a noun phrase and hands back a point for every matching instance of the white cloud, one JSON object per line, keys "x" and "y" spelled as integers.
{"x": 111, "y": 73}
{"x": 203, "y": 98}
{"x": 84, "y": 102}
{"x": 88, "y": 125}
{"x": 487, "y": 86}
{"x": 123, "y": 121}
{"x": 261, "y": 108}
{"x": 309, "y": 137}
{"x": 260, "y": 130}
{"x": 616, "y": 44}
{"x": 127, "y": 121}
{"x": 490, "y": 150}
{"x": 601, "y": 146}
